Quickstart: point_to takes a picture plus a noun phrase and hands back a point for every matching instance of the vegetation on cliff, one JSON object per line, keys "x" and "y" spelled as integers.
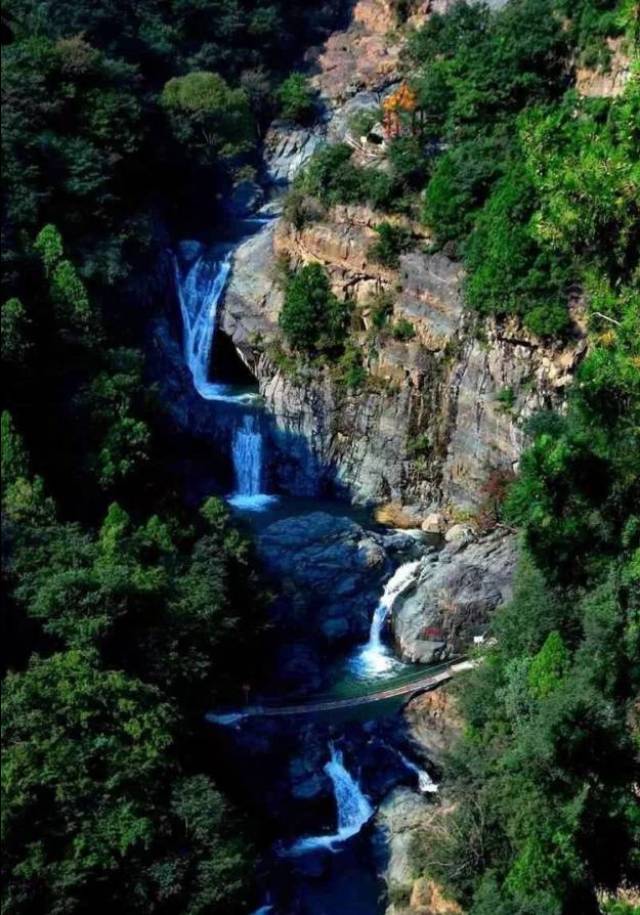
{"x": 539, "y": 190}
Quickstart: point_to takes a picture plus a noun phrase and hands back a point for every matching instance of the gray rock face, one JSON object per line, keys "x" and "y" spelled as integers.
{"x": 400, "y": 816}
{"x": 245, "y": 199}
{"x": 442, "y": 388}
{"x": 287, "y": 149}
{"x": 330, "y": 567}
{"x": 453, "y": 597}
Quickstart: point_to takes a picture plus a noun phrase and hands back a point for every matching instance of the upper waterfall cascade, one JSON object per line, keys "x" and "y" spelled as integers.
{"x": 200, "y": 285}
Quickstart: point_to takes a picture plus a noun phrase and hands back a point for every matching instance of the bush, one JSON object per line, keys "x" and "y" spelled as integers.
{"x": 313, "y": 319}
{"x": 296, "y": 99}
{"x": 209, "y": 116}
{"x": 391, "y": 243}
{"x": 351, "y": 372}
{"x": 550, "y": 320}
{"x": 381, "y": 306}
{"x": 363, "y": 121}
{"x": 332, "y": 178}
{"x": 403, "y": 330}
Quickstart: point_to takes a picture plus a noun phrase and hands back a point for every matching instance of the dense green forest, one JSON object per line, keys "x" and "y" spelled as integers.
{"x": 539, "y": 191}
{"x": 124, "y": 613}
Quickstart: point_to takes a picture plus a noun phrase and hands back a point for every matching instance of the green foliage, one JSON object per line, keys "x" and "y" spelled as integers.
{"x": 506, "y": 397}
{"x": 296, "y": 99}
{"x": 114, "y": 403}
{"x": 363, "y": 121}
{"x": 548, "y": 667}
{"x": 459, "y": 185}
{"x": 534, "y": 185}
{"x": 16, "y": 344}
{"x": 381, "y": 306}
{"x": 408, "y": 161}
{"x": 86, "y": 768}
{"x": 392, "y": 241}
{"x": 351, "y": 373}
{"x": 403, "y": 330}
{"x": 209, "y": 116}
{"x": 14, "y": 456}
{"x": 508, "y": 271}
{"x": 313, "y": 319}
{"x": 71, "y": 127}
{"x": 49, "y": 245}
{"x": 332, "y": 178}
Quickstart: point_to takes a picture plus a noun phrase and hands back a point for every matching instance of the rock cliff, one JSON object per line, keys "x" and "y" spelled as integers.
{"x": 440, "y": 413}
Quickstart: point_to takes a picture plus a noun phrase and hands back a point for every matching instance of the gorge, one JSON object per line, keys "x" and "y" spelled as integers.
{"x": 321, "y": 457}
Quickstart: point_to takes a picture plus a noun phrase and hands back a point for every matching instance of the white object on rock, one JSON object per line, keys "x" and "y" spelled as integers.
{"x": 460, "y": 533}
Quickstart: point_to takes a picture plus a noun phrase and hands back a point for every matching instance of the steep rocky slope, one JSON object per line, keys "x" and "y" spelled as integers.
{"x": 442, "y": 412}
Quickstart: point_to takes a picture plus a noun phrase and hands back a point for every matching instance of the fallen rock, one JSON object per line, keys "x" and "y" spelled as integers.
{"x": 460, "y": 534}
{"x": 434, "y": 523}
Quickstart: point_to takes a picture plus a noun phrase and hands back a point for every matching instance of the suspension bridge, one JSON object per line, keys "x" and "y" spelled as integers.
{"x": 420, "y": 684}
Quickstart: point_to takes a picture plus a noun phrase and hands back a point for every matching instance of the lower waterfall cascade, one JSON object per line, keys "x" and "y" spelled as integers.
{"x": 375, "y": 658}
{"x": 353, "y": 809}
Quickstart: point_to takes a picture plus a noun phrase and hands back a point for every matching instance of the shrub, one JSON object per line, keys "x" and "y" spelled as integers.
{"x": 381, "y": 305}
{"x": 296, "y": 99}
{"x": 409, "y": 162}
{"x": 550, "y": 320}
{"x": 391, "y": 243}
{"x": 403, "y": 330}
{"x": 363, "y": 121}
{"x": 506, "y": 397}
{"x": 351, "y": 372}
{"x": 332, "y": 178}
{"x": 313, "y": 319}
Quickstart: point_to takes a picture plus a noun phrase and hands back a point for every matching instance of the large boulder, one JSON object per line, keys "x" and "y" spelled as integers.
{"x": 454, "y": 594}
{"x": 329, "y": 568}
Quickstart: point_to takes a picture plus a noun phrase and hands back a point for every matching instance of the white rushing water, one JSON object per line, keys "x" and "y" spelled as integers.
{"x": 248, "y": 464}
{"x": 425, "y": 783}
{"x": 375, "y": 658}
{"x": 353, "y": 810}
{"x": 200, "y": 286}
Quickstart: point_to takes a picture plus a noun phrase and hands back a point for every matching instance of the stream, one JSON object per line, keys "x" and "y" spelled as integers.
{"x": 315, "y": 781}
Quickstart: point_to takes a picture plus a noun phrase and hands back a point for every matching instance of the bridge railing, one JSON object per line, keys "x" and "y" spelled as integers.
{"x": 371, "y": 688}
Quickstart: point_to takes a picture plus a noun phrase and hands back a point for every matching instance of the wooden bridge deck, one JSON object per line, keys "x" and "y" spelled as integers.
{"x": 419, "y": 685}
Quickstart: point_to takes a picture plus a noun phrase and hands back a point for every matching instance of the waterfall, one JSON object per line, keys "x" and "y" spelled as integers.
{"x": 200, "y": 286}
{"x": 353, "y": 809}
{"x": 425, "y": 782}
{"x": 248, "y": 466}
{"x": 374, "y": 658}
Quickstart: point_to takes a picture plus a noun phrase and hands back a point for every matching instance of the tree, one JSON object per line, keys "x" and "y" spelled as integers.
{"x": 84, "y": 752}
{"x": 16, "y": 343}
{"x": 313, "y": 319}
{"x": 209, "y": 116}
{"x": 296, "y": 98}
